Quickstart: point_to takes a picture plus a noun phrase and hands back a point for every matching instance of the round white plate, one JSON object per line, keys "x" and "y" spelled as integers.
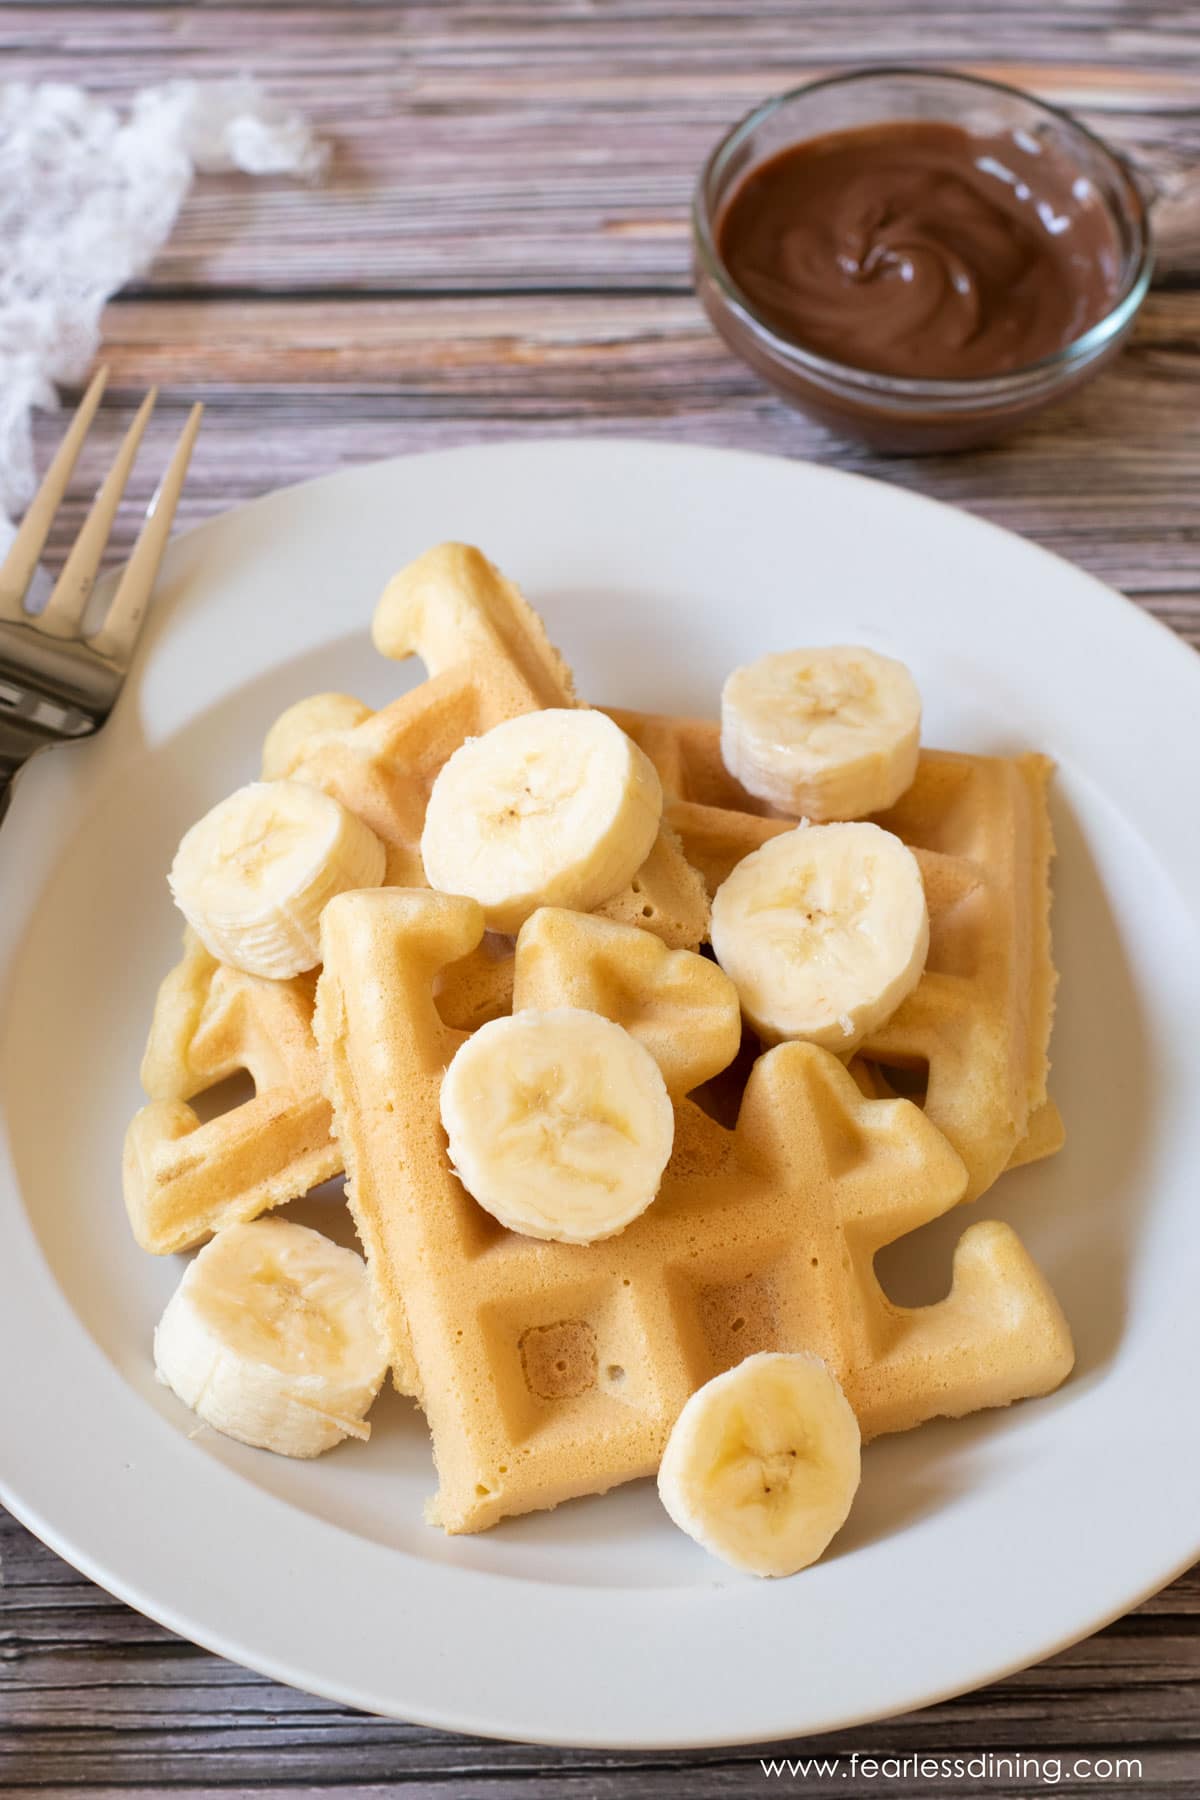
{"x": 973, "y": 1547}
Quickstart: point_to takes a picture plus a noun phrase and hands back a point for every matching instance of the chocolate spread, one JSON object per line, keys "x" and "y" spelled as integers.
{"x": 918, "y": 249}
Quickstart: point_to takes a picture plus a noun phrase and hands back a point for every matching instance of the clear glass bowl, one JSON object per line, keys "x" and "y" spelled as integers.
{"x": 886, "y": 411}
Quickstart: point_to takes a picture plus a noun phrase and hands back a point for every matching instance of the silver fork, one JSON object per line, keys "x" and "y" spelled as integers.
{"x": 56, "y": 684}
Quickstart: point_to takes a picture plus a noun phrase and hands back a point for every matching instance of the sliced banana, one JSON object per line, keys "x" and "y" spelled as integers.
{"x": 822, "y": 734}
{"x": 554, "y": 808}
{"x": 253, "y": 876}
{"x": 763, "y": 1463}
{"x": 306, "y": 727}
{"x": 269, "y": 1338}
{"x": 823, "y": 931}
{"x": 559, "y": 1124}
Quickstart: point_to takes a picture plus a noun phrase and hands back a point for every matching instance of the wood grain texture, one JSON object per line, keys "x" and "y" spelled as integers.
{"x": 98, "y": 1699}
{"x": 555, "y": 144}
{"x": 295, "y": 388}
{"x": 500, "y": 250}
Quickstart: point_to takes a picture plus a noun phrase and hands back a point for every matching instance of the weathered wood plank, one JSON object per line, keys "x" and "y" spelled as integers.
{"x": 93, "y": 1696}
{"x": 297, "y": 388}
{"x": 1159, "y": 1775}
{"x": 550, "y": 146}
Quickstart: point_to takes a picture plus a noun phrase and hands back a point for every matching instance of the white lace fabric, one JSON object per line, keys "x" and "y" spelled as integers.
{"x": 87, "y": 198}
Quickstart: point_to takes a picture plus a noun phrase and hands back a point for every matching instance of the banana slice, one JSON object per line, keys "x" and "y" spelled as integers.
{"x": 763, "y": 1463}
{"x": 307, "y": 726}
{"x": 823, "y": 931}
{"x": 554, "y": 808}
{"x": 269, "y": 1338}
{"x": 252, "y": 877}
{"x": 822, "y": 734}
{"x": 559, "y": 1124}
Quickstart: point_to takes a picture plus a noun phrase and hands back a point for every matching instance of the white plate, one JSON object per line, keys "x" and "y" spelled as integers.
{"x": 973, "y": 1547}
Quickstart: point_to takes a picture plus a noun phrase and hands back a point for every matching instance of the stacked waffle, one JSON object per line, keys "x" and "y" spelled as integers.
{"x": 547, "y": 1366}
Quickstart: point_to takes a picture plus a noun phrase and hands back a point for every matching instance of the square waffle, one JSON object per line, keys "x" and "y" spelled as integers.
{"x": 549, "y": 1370}
{"x": 488, "y": 659}
{"x": 979, "y": 1020}
{"x": 185, "y": 1179}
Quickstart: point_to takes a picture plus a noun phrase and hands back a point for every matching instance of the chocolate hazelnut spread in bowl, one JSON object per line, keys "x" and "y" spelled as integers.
{"x": 920, "y": 260}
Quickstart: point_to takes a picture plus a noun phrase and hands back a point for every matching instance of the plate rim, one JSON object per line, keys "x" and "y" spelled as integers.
{"x": 462, "y": 1725}
{"x": 463, "y": 1721}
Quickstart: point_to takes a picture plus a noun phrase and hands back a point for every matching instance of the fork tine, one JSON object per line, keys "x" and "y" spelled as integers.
{"x": 68, "y": 603}
{"x": 26, "y": 547}
{"x": 119, "y": 632}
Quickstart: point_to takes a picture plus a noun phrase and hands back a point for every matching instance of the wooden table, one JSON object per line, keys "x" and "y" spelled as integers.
{"x": 500, "y": 250}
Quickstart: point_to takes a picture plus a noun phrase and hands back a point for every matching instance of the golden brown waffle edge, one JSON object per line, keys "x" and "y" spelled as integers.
{"x": 552, "y": 1370}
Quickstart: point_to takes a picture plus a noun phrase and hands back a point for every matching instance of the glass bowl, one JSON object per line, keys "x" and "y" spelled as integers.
{"x": 885, "y": 411}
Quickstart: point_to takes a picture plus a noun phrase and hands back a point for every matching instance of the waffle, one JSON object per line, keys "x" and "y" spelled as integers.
{"x": 552, "y": 1370}
{"x": 488, "y": 659}
{"x": 183, "y": 1179}
{"x": 979, "y": 1020}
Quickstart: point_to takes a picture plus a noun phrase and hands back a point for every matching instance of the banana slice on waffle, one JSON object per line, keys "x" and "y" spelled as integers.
{"x": 253, "y": 875}
{"x": 559, "y": 1123}
{"x": 824, "y": 931}
{"x": 555, "y": 808}
{"x": 822, "y": 734}
{"x": 763, "y": 1463}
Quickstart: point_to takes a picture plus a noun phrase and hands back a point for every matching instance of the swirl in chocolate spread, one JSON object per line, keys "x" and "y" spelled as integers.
{"x": 919, "y": 249}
